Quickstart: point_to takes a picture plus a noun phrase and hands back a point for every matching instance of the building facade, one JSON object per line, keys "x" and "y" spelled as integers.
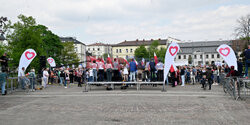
{"x": 126, "y": 49}
{"x": 79, "y": 47}
{"x": 98, "y": 49}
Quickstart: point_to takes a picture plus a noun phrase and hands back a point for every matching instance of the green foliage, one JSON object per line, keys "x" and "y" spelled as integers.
{"x": 105, "y": 56}
{"x": 141, "y": 52}
{"x": 161, "y": 54}
{"x": 52, "y": 44}
{"x": 153, "y": 48}
{"x": 68, "y": 55}
{"x": 26, "y": 34}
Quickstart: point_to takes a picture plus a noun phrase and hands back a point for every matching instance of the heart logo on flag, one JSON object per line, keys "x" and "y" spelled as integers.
{"x": 224, "y": 51}
{"x": 173, "y": 50}
{"x": 29, "y": 55}
{"x": 50, "y": 60}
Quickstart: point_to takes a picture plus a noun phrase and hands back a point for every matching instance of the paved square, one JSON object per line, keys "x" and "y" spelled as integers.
{"x": 179, "y": 105}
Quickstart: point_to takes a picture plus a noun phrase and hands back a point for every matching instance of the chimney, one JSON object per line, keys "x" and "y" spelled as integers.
{"x": 152, "y": 39}
{"x": 143, "y": 40}
{"x": 159, "y": 39}
{"x": 137, "y": 40}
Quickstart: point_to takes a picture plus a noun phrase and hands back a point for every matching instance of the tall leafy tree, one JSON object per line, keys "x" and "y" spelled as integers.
{"x": 68, "y": 54}
{"x": 24, "y": 35}
{"x": 141, "y": 52}
{"x": 52, "y": 46}
{"x": 153, "y": 48}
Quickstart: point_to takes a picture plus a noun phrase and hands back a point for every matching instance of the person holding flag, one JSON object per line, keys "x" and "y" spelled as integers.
{"x": 156, "y": 60}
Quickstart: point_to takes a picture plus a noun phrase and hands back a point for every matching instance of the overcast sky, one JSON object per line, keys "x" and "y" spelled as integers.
{"x": 113, "y": 21}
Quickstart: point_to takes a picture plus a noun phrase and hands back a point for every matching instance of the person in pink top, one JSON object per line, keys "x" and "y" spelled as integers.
{"x": 101, "y": 67}
{"x": 109, "y": 68}
{"x": 94, "y": 67}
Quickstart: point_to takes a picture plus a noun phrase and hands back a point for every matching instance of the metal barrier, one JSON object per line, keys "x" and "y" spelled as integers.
{"x": 236, "y": 87}
{"x": 112, "y": 84}
{"x": 13, "y": 85}
{"x": 244, "y": 88}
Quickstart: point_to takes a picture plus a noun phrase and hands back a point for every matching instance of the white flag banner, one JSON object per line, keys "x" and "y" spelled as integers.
{"x": 26, "y": 58}
{"x": 227, "y": 53}
{"x": 171, "y": 53}
{"x": 51, "y": 62}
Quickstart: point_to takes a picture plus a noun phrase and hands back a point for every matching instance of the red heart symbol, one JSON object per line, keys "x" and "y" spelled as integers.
{"x": 173, "y": 50}
{"x": 29, "y": 55}
{"x": 224, "y": 51}
{"x": 50, "y": 60}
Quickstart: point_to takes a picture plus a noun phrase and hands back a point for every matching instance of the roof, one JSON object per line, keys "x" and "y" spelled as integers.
{"x": 99, "y": 44}
{"x": 140, "y": 42}
{"x": 201, "y": 46}
{"x": 70, "y": 39}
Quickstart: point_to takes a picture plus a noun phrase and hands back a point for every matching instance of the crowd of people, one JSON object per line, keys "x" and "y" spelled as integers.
{"x": 142, "y": 71}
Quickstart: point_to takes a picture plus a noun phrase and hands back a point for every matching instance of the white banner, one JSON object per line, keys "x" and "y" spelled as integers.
{"x": 227, "y": 53}
{"x": 51, "y": 62}
{"x": 171, "y": 53}
{"x": 26, "y": 58}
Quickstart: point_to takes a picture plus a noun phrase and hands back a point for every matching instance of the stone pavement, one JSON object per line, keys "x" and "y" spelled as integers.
{"x": 189, "y": 105}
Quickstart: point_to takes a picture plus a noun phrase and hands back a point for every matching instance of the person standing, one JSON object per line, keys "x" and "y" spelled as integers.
{"x": 79, "y": 77}
{"x": 32, "y": 77}
{"x": 66, "y": 77}
{"x": 45, "y": 77}
{"x": 247, "y": 58}
{"x": 209, "y": 74}
{"x": 132, "y": 69}
{"x": 94, "y": 67}
{"x": 108, "y": 68}
{"x": 22, "y": 77}
{"x": 240, "y": 67}
{"x": 125, "y": 72}
{"x": 159, "y": 67}
{"x": 101, "y": 68}
{"x": 71, "y": 75}
{"x": 152, "y": 70}
{"x": 4, "y": 62}
{"x": 182, "y": 76}
{"x": 116, "y": 69}
{"x": 62, "y": 74}
{"x": 3, "y": 77}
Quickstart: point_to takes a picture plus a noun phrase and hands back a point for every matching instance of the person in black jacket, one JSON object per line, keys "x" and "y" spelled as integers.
{"x": 209, "y": 74}
{"x": 240, "y": 67}
{"x": 247, "y": 57}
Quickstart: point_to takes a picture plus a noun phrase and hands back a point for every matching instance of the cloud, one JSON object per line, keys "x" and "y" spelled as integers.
{"x": 113, "y": 21}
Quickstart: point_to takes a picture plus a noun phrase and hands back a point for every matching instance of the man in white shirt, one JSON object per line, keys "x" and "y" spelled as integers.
{"x": 160, "y": 67}
{"x": 45, "y": 77}
{"x": 22, "y": 77}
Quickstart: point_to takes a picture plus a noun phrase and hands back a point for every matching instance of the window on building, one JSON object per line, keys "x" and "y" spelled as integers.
{"x": 120, "y": 50}
{"x": 116, "y": 50}
{"x": 89, "y": 49}
{"x": 184, "y": 57}
{"x": 126, "y": 56}
{"x": 179, "y": 57}
{"x": 127, "y": 50}
{"x": 93, "y": 49}
{"x": 218, "y": 55}
{"x": 195, "y": 56}
{"x": 212, "y": 55}
{"x": 201, "y": 56}
{"x": 98, "y": 49}
{"x": 131, "y": 50}
{"x": 206, "y": 56}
